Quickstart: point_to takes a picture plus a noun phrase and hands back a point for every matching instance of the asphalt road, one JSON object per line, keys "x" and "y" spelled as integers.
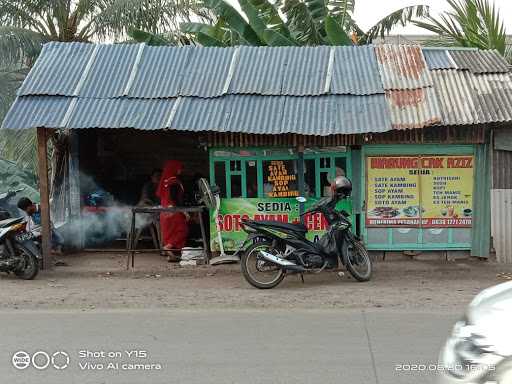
{"x": 249, "y": 347}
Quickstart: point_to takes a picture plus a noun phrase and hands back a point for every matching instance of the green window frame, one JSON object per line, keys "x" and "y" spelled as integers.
{"x": 259, "y": 155}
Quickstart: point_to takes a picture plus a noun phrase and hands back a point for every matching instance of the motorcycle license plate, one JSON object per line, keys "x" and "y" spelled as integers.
{"x": 24, "y": 237}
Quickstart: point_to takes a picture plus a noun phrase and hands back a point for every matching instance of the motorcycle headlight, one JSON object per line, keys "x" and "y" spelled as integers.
{"x": 466, "y": 353}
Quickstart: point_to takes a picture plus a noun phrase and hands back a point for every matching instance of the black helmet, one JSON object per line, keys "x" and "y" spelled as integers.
{"x": 341, "y": 187}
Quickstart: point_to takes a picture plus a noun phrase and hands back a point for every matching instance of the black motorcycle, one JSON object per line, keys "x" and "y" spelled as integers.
{"x": 280, "y": 248}
{"x": 18, "y": 252}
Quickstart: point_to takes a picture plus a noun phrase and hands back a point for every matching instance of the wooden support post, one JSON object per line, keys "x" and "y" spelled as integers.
{"x": 42, "y": 157}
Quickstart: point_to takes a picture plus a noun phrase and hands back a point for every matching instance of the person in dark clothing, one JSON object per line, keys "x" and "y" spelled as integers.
{"x": 148, "y": 195}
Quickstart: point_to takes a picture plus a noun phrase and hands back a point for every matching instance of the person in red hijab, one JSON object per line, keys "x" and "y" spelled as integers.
{"x": 173, "y": 226}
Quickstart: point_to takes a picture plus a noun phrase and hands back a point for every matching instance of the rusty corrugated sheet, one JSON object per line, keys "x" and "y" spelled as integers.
{"x": 408, "y": 86}
{"x": 413, "y": 108}
{"x": 502, "y": 169}
{"x": 501, "y": 222}
{"x": 402, "y": 67}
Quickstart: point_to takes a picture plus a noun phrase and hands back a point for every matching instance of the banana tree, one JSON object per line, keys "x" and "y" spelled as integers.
{"x": 292, "y": 22}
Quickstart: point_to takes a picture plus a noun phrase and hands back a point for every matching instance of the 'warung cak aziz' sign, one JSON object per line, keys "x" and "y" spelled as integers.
{"x": 427, "y": 191}
{"x": 233, "y": 211}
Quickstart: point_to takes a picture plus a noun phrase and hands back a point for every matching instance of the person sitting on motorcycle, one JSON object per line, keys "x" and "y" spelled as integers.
{"x": 33, "y": 213}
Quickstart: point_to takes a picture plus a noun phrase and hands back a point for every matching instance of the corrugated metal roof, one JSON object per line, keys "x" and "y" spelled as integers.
{"x": 456, "y": 95}
{"x": 121, "y": 113}
{"x": 309, "y": 115}
{"x": 37, "y": 111}
{"x": 355, "y": 114}
{"x": 413, "y": 108}
{"x": 160, "y": 72}
{"x": 266, "y": 114}
{"x": 402, "y": 66}
{"x": 306, "y": 71}
{"x": 58, "y": 69}
{"x": 256, "y": 89}
{"x": 207, "y": 72}
{"x": 438, "y": 59}
{"x": 493, "y": 97}
{"x": 196, "y": 114}
{"x": 355, "y": 71}
{"x": 110, "y": 71}
{"x": 478, "y": 61}
{"x": 259, "y": 71}
{"x": 298, "y": 71}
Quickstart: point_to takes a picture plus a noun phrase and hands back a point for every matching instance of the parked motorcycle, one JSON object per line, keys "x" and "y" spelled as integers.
{"x": 280, "y": 248}
{"x": 18, "y": 252}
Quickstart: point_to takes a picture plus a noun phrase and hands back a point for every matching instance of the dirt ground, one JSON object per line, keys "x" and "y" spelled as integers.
{"x": 100, "y": 281}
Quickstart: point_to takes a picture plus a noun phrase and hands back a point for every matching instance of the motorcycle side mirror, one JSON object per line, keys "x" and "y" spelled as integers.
{"x": 301, "y": 199}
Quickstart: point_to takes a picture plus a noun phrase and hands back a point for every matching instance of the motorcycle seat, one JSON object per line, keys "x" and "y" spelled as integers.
{"x": 301, "y": 228}
{"x": 9, "y": 222}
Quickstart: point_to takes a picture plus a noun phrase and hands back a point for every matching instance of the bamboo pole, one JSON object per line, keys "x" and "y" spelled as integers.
{"x": 42, "y": 154}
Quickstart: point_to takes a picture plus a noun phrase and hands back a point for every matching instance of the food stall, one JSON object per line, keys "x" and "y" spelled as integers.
{"x": 410, "y": 126}
{"x": 263, "y": 183}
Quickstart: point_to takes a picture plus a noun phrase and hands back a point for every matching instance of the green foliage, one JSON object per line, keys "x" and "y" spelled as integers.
{"x": 234, "y": 20}
{"x": 20, "y": 146}
{"x": 14, "y": 177}
{"x": 25, "y": 25}
{"x": 401, "y": 17}
{"x": 301, "y": 23}
{"x": 149, "y": 38}
{"x": 469, "y": 23}
{"x": 295, "y": 22}
{"x": 206, "y": 34}
{"x": 335, "y": 33}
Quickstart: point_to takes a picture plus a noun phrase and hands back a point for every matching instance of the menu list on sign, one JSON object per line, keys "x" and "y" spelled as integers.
{"x": 393, "y": 197}
{"x": 280, "y": 179}
{"x": 412, "y": 190}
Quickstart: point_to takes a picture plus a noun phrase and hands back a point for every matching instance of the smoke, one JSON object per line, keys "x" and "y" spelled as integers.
{"x": 103, "y": 219}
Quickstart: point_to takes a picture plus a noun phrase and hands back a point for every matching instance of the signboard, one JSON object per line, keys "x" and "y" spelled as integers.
{"x": 279, "y": 180}
{"x": 426, "y": 191}
{"x": 232, "y": 211}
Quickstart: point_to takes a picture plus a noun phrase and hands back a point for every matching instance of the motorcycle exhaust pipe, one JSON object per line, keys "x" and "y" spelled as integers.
{"x": 286, "y": 264}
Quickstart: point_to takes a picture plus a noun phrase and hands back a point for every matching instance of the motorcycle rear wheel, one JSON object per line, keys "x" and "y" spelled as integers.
{"x": 30, "y": 267}
{"x": 358, "y": 260}
{"x": 254, "y": 267}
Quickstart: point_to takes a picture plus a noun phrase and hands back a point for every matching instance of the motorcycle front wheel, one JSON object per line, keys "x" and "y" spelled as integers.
{"x": 358, "y": 260}
{"x": 30, "y": 264}
{"x": 259, "y": 272}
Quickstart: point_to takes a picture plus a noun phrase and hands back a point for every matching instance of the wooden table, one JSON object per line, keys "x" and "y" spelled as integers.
{"x": 155, "y": 210}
